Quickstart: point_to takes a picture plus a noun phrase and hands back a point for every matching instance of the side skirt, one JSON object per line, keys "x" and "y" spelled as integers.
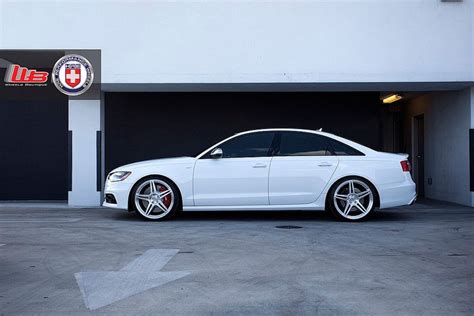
{"x": 298, "y": 207}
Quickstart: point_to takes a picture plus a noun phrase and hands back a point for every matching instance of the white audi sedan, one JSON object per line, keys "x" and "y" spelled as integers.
{"x": 268, "y": 169}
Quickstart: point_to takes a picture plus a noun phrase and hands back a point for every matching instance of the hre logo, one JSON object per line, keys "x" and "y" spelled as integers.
{"x": 73, "y": 74}
{"x": 18, "y": 74}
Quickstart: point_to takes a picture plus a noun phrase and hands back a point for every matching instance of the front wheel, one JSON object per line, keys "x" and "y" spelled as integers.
{"x": 155, "y": 198}
{"x": 352, "y": 199}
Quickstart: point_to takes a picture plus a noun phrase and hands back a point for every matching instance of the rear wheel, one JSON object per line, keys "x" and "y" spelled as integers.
{"x": 352, "y": 199}
{"x": 155, "y": 198}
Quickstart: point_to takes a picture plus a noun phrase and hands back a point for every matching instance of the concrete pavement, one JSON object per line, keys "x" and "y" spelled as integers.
{"x": 413, "y": 260}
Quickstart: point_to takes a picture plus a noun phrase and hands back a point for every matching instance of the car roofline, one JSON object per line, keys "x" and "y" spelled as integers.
{"x": 362, "y": 148}
{"x": 283, "y": 129}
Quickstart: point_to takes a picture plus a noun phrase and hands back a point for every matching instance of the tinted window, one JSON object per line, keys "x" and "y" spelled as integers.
{"x": 248, "y": 145}
{"x": 303, "y": 144}
{"x": 340, "y": 149}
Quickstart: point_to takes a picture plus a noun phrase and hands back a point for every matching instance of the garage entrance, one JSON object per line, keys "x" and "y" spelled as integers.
{"x": 140, "y": 126}
{"x": 34, "y": 154}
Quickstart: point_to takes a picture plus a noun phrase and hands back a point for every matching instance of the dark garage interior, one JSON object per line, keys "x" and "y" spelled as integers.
{"x": 34, "y": 163}
{"x": 140, "y": 126}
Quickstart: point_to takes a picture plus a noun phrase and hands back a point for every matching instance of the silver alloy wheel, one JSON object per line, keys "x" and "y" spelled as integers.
{"x": 353, "y": 199}
{"x": 154, "y": 199}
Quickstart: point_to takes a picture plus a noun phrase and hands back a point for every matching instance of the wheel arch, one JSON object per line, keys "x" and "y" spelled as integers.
{"x": 150, "y": 176}
{"x": 376, "y": 197}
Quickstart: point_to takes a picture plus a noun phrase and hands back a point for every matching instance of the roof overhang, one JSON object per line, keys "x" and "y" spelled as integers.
{"x": 287, "y": 87}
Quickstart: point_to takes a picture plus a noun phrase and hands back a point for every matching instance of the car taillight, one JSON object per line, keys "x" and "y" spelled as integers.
{"x": 406, "y": 167}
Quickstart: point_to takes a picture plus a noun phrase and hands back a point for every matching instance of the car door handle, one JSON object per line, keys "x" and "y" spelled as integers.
{"x": 325, "y": 164}
{"x": 259, "y": 165}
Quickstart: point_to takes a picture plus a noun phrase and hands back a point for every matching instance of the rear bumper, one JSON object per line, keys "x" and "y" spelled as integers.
{"x": 398, "y": 194}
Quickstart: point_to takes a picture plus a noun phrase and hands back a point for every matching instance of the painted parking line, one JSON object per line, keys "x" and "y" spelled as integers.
{"x": 101, "y": 288}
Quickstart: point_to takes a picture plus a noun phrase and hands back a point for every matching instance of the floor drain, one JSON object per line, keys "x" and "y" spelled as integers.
{"x": 288, "y": 227}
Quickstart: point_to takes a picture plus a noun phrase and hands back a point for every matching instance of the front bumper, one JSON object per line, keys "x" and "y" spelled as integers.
{"x": 120, "y": 190}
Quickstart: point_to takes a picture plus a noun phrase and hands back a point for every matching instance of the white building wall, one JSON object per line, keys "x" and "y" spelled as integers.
{"x": 253, "y": 41}
{"x": 233, "y": 41}
{"x": 84, "y": 122}
{"x": 447, "y": 147}
{"x": 447, "y": 117}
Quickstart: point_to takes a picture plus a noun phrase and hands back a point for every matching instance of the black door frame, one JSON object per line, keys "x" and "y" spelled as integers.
{"x": 419, "y": 153}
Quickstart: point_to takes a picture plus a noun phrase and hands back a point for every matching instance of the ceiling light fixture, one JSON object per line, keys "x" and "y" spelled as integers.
{"x": 391, "y": 98}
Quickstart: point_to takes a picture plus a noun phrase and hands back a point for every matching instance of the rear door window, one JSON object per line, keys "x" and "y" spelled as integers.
{"x": 303, "y": 144}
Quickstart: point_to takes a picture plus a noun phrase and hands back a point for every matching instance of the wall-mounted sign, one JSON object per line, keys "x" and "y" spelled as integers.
{"x": 30, "y": 74}
{"x": 73, "y": 75}
{"x": 17, "y": 75}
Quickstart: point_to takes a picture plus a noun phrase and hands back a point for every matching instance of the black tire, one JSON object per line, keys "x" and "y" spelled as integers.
{"x": 354, "y": 213}
{"x": 143, "y": 187}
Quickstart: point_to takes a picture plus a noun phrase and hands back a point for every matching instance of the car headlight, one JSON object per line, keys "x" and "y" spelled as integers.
{"x": 118, "y": 176}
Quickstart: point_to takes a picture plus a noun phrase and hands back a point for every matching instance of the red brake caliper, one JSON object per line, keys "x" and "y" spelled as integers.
{"x": 167, "y": 199}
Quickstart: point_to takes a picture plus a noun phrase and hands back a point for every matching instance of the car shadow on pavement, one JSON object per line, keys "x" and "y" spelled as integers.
{"x": 378, "y": 216}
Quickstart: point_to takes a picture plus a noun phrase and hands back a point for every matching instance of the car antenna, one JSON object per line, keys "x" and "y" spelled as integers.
{"x": 320, "y": 130}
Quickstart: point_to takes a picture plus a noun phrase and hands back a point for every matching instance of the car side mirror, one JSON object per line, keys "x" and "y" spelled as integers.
{"x": 216, "y": 153}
